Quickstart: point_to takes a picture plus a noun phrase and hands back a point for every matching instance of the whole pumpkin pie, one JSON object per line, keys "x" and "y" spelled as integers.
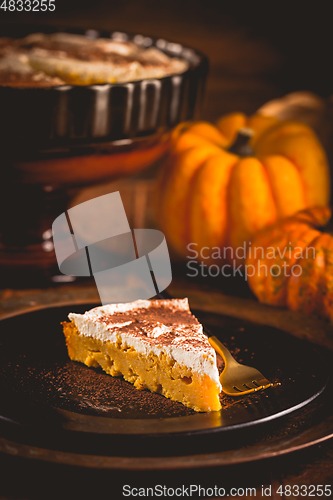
{"x": 154, "y": 344}
{"x": 48, "y": 60}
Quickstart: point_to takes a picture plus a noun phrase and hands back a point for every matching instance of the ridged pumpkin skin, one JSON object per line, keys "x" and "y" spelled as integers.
{"x": 215, "y": 198}
{"x": 295, "y": 241}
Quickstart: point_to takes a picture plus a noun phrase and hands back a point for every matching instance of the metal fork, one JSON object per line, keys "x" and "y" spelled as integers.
{"x": 237, "y": 379}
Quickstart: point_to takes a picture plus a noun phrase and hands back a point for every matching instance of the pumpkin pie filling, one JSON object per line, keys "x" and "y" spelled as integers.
{"x": 157, "y": 345}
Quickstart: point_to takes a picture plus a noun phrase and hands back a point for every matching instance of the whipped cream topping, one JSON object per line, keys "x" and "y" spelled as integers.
{"x": 153, "y": 326}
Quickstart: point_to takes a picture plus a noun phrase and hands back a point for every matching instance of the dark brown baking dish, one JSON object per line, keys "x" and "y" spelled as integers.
{"x": 68, "y": 115}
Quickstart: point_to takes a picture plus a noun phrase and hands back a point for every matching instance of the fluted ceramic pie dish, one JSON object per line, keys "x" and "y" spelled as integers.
{"x": 64, "y": 115}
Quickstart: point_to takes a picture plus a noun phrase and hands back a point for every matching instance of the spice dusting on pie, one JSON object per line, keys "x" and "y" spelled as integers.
{"x": 40, "y": 60}
{"x": 154, "y": 344}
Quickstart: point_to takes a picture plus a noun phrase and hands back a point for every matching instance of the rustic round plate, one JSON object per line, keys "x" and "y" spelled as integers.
{"x": 51, "y": 403}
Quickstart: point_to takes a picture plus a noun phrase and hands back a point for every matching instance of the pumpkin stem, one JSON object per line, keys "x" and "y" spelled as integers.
{"x": 241, "y": 145}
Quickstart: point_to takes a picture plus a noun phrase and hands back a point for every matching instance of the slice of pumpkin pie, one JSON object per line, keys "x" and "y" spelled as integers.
{"x": 154, "y": 344}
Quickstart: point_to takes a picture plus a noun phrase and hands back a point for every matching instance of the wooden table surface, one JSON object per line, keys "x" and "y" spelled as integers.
{"x": 254, "y": 57}
{"x": 309, "y": 466}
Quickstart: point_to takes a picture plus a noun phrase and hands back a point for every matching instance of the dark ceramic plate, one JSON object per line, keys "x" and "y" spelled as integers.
{"x": 48, "y": 400}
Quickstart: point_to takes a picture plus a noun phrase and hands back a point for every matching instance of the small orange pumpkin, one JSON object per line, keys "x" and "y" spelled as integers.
{"x": 290, "y": 264}
{"x": 215, "y": 191}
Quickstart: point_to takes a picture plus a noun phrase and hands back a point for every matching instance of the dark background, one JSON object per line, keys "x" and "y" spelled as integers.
{"x": 257, "y": 50}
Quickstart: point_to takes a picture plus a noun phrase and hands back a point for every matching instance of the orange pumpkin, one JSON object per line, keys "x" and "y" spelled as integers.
{"x": 215, "y": 191}
{"x": 290, "y": 264}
